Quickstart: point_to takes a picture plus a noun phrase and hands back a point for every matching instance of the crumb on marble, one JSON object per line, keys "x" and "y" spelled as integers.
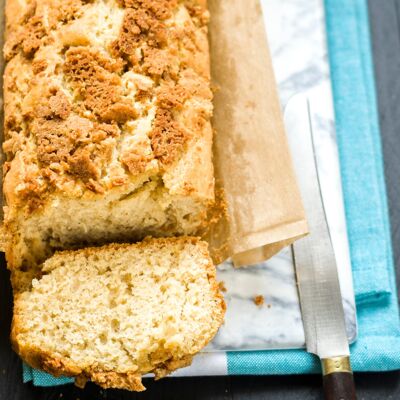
{"x": 222, "y": 286}
{"x": 259, "y": 300}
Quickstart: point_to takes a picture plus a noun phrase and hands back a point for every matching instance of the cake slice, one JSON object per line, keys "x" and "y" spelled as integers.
{"x": 114, "y": 313}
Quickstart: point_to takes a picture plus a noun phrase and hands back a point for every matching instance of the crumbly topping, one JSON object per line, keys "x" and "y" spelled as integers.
{"x": 143, "y": 95}
{"x": 13, "y": 143}
{"x": 160, "y": 9}
{"x": 144, "y": 23}
{"x": 33, "y": 34}
{"x": 95, "y": 78}
{"x": 156, "y": 62}
{"x": 74, "y": 101}
{"x": 32, "y": 191}
{"x": 55, "y": 140}
{"x": 81, "y": 166}
{"x": 37, "y": 22}
{"x": 167, "y": 137}
{"x": 140, "y": 25}
{"x": 95, "y": 186}
{"x": 39, "y": 66}
{"x": 172, "y": 96}
{"x": 103, "y": 131}
{"x": 56, "y": 105}
{"x": 135, "y": 162}
{"x": 71, "y": 146}
{"x": 84, "y": 66}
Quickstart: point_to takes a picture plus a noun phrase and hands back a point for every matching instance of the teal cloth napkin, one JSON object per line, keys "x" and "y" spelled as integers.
{"x": 378, "y": 344}
{"x": 360, "y": 148}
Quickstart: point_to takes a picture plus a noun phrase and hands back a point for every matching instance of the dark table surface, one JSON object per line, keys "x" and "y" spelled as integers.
{"x": 385, "y": 26}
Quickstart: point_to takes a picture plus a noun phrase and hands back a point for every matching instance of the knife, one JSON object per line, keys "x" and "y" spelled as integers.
{"x": 315, "y": 263}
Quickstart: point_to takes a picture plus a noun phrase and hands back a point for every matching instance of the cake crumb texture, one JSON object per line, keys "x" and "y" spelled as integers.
{"x": 114, "y": 313}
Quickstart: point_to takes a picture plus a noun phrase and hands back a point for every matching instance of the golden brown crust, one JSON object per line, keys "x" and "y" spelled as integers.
{"x": 59, "y": 366}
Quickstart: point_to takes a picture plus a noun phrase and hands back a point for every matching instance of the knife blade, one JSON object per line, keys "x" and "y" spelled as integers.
{"x": 315, "y": 263}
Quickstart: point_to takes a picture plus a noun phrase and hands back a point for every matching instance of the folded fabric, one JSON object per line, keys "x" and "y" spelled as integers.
{"x": 360, "y": 147}
{"x": 367, "y": 217}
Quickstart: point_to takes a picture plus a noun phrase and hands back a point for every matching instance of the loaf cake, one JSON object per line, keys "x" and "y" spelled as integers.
{"x": 107, "y": 124}
{"x": 114, "y": 313}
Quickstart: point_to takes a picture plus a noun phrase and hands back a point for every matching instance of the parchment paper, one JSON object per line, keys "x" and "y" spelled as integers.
{"x": 251, "y": 157}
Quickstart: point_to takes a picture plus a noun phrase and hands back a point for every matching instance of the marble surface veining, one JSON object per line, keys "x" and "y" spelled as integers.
{"x": 296, "y": 31}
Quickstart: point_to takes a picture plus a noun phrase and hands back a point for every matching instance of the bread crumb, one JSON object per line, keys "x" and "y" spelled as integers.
{"x": 222, "y": 286}
{"x": 259, "y": 300}
{"x": 269, "y": 305}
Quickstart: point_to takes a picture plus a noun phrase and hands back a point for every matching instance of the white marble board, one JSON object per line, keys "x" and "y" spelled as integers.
{"x": 297, "y": 37}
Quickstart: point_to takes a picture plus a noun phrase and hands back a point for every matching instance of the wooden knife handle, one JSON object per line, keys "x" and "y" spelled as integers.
{"x": 338, "y": 379}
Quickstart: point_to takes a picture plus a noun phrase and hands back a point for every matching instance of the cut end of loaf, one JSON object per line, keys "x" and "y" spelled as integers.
{"x": 114, "y": 313}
